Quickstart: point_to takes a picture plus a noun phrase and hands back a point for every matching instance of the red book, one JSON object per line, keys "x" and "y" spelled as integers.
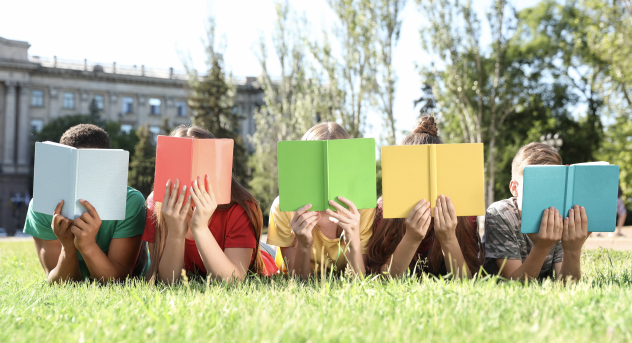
{"x": 185, "y": 159}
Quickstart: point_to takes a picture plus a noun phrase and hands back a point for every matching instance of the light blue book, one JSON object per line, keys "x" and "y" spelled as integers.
{"x": 592, "y": 185}
{"x": 65, "y": 173}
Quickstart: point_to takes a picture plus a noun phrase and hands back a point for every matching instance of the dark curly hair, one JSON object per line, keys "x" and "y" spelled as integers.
{"x": 86, "y": 136}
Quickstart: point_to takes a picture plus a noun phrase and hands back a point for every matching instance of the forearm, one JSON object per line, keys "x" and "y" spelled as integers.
{"x": 101, "y": 267}
{"x": 215, "y": 260}
{"x": 454, "y": 260}
{"x": 403, "y": 255}
{"x": 571, "y": 266}
{"x": 354, "y": 258}
{"x": 67, "y": 268}
{"x": 172, "y": 261}
{"x": 301, "y": 265}
{"x": 531, "y": 267}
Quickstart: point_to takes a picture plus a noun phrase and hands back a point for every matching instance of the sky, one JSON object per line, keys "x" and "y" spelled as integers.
{"x": 158, "y": 33}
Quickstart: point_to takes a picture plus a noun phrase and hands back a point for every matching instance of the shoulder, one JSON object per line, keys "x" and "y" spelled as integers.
{"x": 134, "y": 196}
{"x": 502, "y": 214}
{"x": 502, "y": 208}
{"x": 275, "y": 210}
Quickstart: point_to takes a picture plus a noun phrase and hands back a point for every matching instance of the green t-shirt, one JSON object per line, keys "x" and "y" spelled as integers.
{"x": 39, "y": 225}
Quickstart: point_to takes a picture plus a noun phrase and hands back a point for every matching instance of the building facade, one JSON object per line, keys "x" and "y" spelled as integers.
{"x": 34, "y": 91}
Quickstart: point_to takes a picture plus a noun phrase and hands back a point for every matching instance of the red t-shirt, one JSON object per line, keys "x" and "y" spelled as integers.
{"x": 231, "y": 229}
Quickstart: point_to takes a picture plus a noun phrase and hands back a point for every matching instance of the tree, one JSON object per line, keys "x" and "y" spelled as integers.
{"x": 351, "y": 82}
{"x": 143, "y": 162}
{"x": 385, "y": 15}
{"x": 292, "y": 104}
{"x": 211, "y": 103}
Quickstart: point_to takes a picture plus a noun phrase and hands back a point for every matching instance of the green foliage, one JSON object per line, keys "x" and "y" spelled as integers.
{"x": 597, "y": 309}
{"x": 143, "y": 163}
{"x": 211, "y": 104}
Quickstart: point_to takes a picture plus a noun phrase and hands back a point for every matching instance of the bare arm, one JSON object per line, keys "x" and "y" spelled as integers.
{"x": 117, "y": 264}
{"x": 172, "y": 262}
{"x": 445, "y": 225}
{"x": 59, "y": 264}
{"x": 226, "y": 266}
{"x": 454, "y": 261}
{"x": 573, "y": 238}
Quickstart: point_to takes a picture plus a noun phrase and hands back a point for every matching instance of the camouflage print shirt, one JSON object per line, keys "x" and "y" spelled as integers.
{"x": 503, "y": 239}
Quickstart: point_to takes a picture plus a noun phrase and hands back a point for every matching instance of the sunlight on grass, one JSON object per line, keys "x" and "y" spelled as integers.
{"x": 596, "y": 309}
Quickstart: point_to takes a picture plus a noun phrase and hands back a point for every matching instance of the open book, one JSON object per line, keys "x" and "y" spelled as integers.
{"x": 414, "y": 172}
{"x": 592, "y": 185}
{"x": 314, "y": 172}
{"x": 187, "y": 158}
{"x": 65, "y": 173}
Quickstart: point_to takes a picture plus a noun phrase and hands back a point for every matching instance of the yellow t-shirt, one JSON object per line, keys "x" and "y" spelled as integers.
{"x": 280, "y": 234}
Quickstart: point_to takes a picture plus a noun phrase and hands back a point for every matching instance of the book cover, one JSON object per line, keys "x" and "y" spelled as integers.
{"x": 185, "y": 159}
{"x": 66, "y": 173}
{"x": 591, "y": 185}
{"x": 414, "y": 172}
{"x": 314, "y": 172}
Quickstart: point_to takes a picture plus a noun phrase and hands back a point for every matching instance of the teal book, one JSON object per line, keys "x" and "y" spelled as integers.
{"x": 592, "y": 185}
{"x": 314, "y": 172}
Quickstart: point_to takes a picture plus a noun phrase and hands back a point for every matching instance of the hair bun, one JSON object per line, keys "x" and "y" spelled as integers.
{"x": 426, "y": 125}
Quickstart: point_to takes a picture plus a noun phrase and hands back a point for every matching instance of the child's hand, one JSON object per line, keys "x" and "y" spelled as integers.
{"x": 418, "y": 221}
{"x": 550, "y": 229}
{"x": 302, "y": 224}
{"x": 575, "y": 230}
{"x": 445, "y": 220}
{"x": 86, "y": 227}
{"x": 61, "y": 228}
{"x": 173, "y": 211}
{"x": 348, "y": 220}
{"x": 205, "y": 203}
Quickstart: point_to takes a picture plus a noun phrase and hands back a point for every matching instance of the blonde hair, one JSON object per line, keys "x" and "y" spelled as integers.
{"x": 325, "y": 131}
{"x": 533, "y": 154}
{"x": 239, "y": 195}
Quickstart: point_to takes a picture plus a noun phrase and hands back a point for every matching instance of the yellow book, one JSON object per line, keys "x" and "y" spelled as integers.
{"x": 414, "y": 172}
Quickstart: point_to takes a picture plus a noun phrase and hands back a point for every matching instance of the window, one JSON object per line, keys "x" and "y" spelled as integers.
{"x": 126, "y": 128}
{"x": 128, "y": 105}
{"x": 182, "y": 108}
{"x": 37, "y": 125}
{"x": 37, "y": 98}
{"x": 69, "y": 100}
{"x": 98, "y": 99}
{"x": 155, "y": 131}
{"x": 154, "y": 106}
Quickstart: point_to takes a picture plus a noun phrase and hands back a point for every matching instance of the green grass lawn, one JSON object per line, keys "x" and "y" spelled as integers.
{"x": 599, "y": 308}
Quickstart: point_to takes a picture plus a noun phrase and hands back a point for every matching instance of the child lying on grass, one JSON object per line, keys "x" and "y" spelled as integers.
{"x": 555, "y": 248}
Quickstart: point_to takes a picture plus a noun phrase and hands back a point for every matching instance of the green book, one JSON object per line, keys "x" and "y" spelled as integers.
{"x": 314, "y": 172}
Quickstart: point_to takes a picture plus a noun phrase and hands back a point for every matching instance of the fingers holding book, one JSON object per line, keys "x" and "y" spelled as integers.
{"x": 86, "y": 227}
{"x": 173, "y": 210}
{"x": 575, "y": 230}
{"x": 61, "y": 227}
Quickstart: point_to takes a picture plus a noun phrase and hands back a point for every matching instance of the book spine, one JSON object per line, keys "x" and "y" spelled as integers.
{"x": 74, "y": 176}
{"x": 326, "y": 183}
{"x": 433, "y": 175}
{"x": 570, "y": 188}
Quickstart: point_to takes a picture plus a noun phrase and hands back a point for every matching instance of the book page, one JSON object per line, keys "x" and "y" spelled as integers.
{"x": 173, "y": 162}
{"x": 599, "y": 163}
{"x": 102, "y": 181}
{"x": 405, "y": 178}
{"x": 214, "y": 157}
{"x": 54, "y": 173}
{"x": 351, "y": 164}
{"x": 461, "y": 176}
{"x": 302, "y": 175}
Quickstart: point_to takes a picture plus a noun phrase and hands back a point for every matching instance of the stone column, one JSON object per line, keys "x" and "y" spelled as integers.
{"x": 113, "y": 107}
{"x": 141, "y": 110}
{"x": 53, "y": 102}
{"x": 8, "y": 160}
{"x": 24, "y": 129}
{"x": 84, "y": 96}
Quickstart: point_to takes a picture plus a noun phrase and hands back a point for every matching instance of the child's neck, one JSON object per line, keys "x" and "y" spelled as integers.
{"x": 326, "y": 226}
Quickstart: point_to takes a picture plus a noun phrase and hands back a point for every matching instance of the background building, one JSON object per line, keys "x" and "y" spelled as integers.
{"x": 35, "y": 90}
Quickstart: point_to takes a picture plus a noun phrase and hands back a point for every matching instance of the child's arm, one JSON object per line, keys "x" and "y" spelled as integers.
{"x": 573, "y": 238}
{"x": 300, "y": 254}
{"x": 230, "y": 265}
{"x": 59, "y": 257}
{"x": 174, "y": 211}
{"x": 349, "y": 221}
{"x": 122, "y": 253}
{"x": 550, "y": 232}
{"x": 417, "y": 224}
{"x": 445, "y": 230}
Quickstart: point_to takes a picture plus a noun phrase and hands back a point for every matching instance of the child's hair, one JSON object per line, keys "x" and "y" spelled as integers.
{"x": 86, "y": 136}
{"x": 238, "y": 195}
{"x": 325, "y": 131}
{"x": 389, "y": 232}
{"x": 533, "y": 154}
